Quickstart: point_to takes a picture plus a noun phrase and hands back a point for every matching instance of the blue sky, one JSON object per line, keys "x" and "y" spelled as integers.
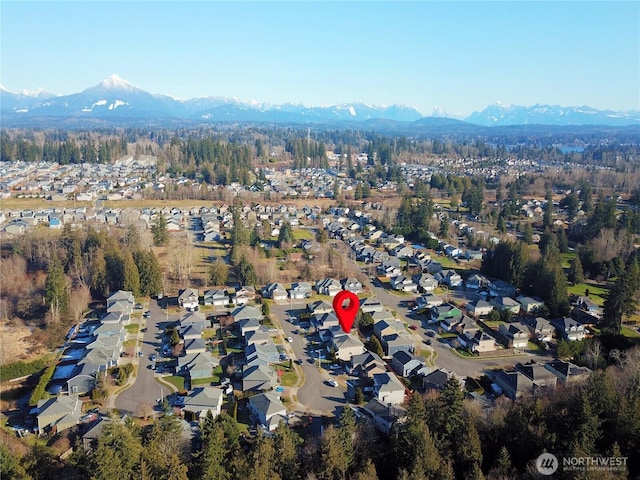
{"x": 459, "y": 56}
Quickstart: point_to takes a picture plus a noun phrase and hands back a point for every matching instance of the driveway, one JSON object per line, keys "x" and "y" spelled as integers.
{"x": 143, "y": 394}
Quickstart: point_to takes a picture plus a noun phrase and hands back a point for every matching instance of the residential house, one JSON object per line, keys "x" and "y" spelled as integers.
{"x": 405, "y": 364}
{"x": 476, "y": 281}
{"x": 347, "y": 346}
{"x": 531, "y": 304}
{"x": 300, "y": 291}
{"x": 540, "y": 328}
{"x": 243, "y": 295}
{"x": 201, "y": 401}
{"x": 480, "y": 342}
{"x": 195, "y": 345}
{"x": 388, "y": 326}
{"x": 258, "y": 378}
{"x": 366, "y": 365}
{"x": 479, "y": 308}
{"x": 319, "y": 307}
{"x": 445, "y": 313}
{"x": 402, "y": 251}
{"x": 466, "y": 325}
{"x": 58, "y": 413}
{"x": 589, "y": 306}
{"x": 92, "y": 435}
{"x": 428, "y": 300}
{"x": 506, "y": 304}
{"x": 385, "y": 417}
{"x": 196, "y": 365}
{"x": 370, "y": 305}
{"x": 262, "y": 336}
{"x": 403, "y": 284}
{"x": 192, "y": 331}
{"x": 268, "y": 410}
{"x": 449, "y": 278}
{"x": 325, "y": 321}
{"x": 436, "y": 380}
{"x": 247, "y": 325}
{"x": 352, "y": 285}
{"x": 567, "y": 372}
{"x": 328, "y": 286}
{"x": 516, "y": 335}
{"x": 216, "y": 297}
{"x": 388, "y": 389}
{"x": 246, "y": 311}
{"x": 265, "y": 354}
{"x": 500, "y": 288}
{"x": 425, "y": 282}
{"x": 275, "y": 291}
{"x": 538, "y": 374}
{"x": 514, "y": 384}
{"x": 569, "y": 329}
{"x": 389, "y": 268}
{"x": 188, "y": 299}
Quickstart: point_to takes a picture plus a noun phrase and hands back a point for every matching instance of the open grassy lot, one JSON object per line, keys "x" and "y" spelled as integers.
{"x": 176, "y": 381}
{"x": 596, "y": 293}
{"x": 132, "y": 328}
{"x": 302, "y": 234}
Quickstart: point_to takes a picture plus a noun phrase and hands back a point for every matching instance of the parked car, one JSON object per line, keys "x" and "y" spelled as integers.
{"x": 333, "y": 383}
{"x": 334, "y": 366}
{"x": 413, "y": 327}
{"x": 289, "y": 339}
{"x": 153, "y": 357}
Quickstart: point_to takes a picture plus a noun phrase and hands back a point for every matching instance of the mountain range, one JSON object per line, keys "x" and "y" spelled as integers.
{"x": 117, "y": 100}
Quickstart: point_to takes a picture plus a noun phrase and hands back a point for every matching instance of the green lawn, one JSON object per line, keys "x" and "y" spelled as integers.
{"x": 533, "y": 347}
{"x": 303, "y": 234}
{"x": 596, "y": 293}
{"x": 176, "y": 381}
{"x": 566, "y": 258}
{"x": 129, "y": 343}
{"x": 631, "y": 333}
{"x": 132, "y": 328}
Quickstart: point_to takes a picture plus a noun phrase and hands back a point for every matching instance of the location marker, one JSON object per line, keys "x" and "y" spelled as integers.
{"x": 346, "y": 314}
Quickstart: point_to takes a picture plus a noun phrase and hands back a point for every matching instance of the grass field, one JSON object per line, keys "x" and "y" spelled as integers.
{"x": 566, "y": 259}
{"x": 176, "y": 381}
{"x": 132, "y": 328}
{"x": 596, "y": 293}
{"x": 302, "y": 234}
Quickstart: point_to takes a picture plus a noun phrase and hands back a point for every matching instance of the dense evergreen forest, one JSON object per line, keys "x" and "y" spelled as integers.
{"x": 443, "y": 437}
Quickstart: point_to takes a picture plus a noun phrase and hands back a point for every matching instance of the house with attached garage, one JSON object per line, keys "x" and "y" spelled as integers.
{"x": 347, "y": 346}
{"x": 516, "y": 335}
{"x": 188, "y": 299}
{"x": 366, "y": 365}
{"x": 479, "y": 342}
{"x": 567, "y": 372}
{"x": 403, "y": 284}
{"x": 436, "y": 380}
{"x": 540, "y": 328}
{"x": 201, "y": 401}
{"x": 479, "y": 308}
{"x": 216, "y": 297}
{"x": 258, "y": 378}
{"x": 538, "y": 374}
{"x": 328, "y": 286}
{"x": 385, "y": 417}
{"x": 388, "y": 389}
{"x": 352, "y": 285}
{"x": 568, "y": 329}
{"x": 531, "y": 304}
{"x": 275, "y": 291}
{"x": 514, "y": 384}
{"x": 300, "y": 290}
{"x": 247, "y": 311}
{"x": 425, "y": 282}
{"x": 58, "y": 413}
{"x": 268, "y": 410}
{"x": 405, "y": 364}
{"x": 197, "y": 365}
{"x": 506, "y": 304}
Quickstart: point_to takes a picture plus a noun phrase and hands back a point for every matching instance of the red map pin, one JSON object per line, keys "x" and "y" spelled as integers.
{"x": 346, "y": 314}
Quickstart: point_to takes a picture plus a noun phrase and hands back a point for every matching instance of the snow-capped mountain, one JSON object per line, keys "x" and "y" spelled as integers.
{"x": 500, "y": 114}
{"x": 11, "y": 101}
{"x": 117, "y": 100}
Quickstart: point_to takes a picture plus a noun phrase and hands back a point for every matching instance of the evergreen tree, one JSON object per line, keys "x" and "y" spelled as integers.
{"x": 118, "y": 452}
{"x": 374, "y": 345}
{"x": 159, "y": 230}
{"x": 56, "y": 291}
{"x": 131, "y": 276}
{"x": 98, "y": 273}
{"x": 149, "y": 272}
{"x": 576, "y": 274}
{"x": 622, "y": 299}
{"x": 285, "y": 235}
{"x": 287, "y": 443}
{"x": 547, "y": 216}
{"x": 245, "y": 272}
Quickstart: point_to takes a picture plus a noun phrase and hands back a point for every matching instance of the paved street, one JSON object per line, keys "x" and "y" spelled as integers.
{"x": 145, "y": 391}
{"x": 316, "y": 394}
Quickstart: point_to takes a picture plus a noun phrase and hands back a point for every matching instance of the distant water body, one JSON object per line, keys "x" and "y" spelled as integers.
{"x": 571, "y": 149}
